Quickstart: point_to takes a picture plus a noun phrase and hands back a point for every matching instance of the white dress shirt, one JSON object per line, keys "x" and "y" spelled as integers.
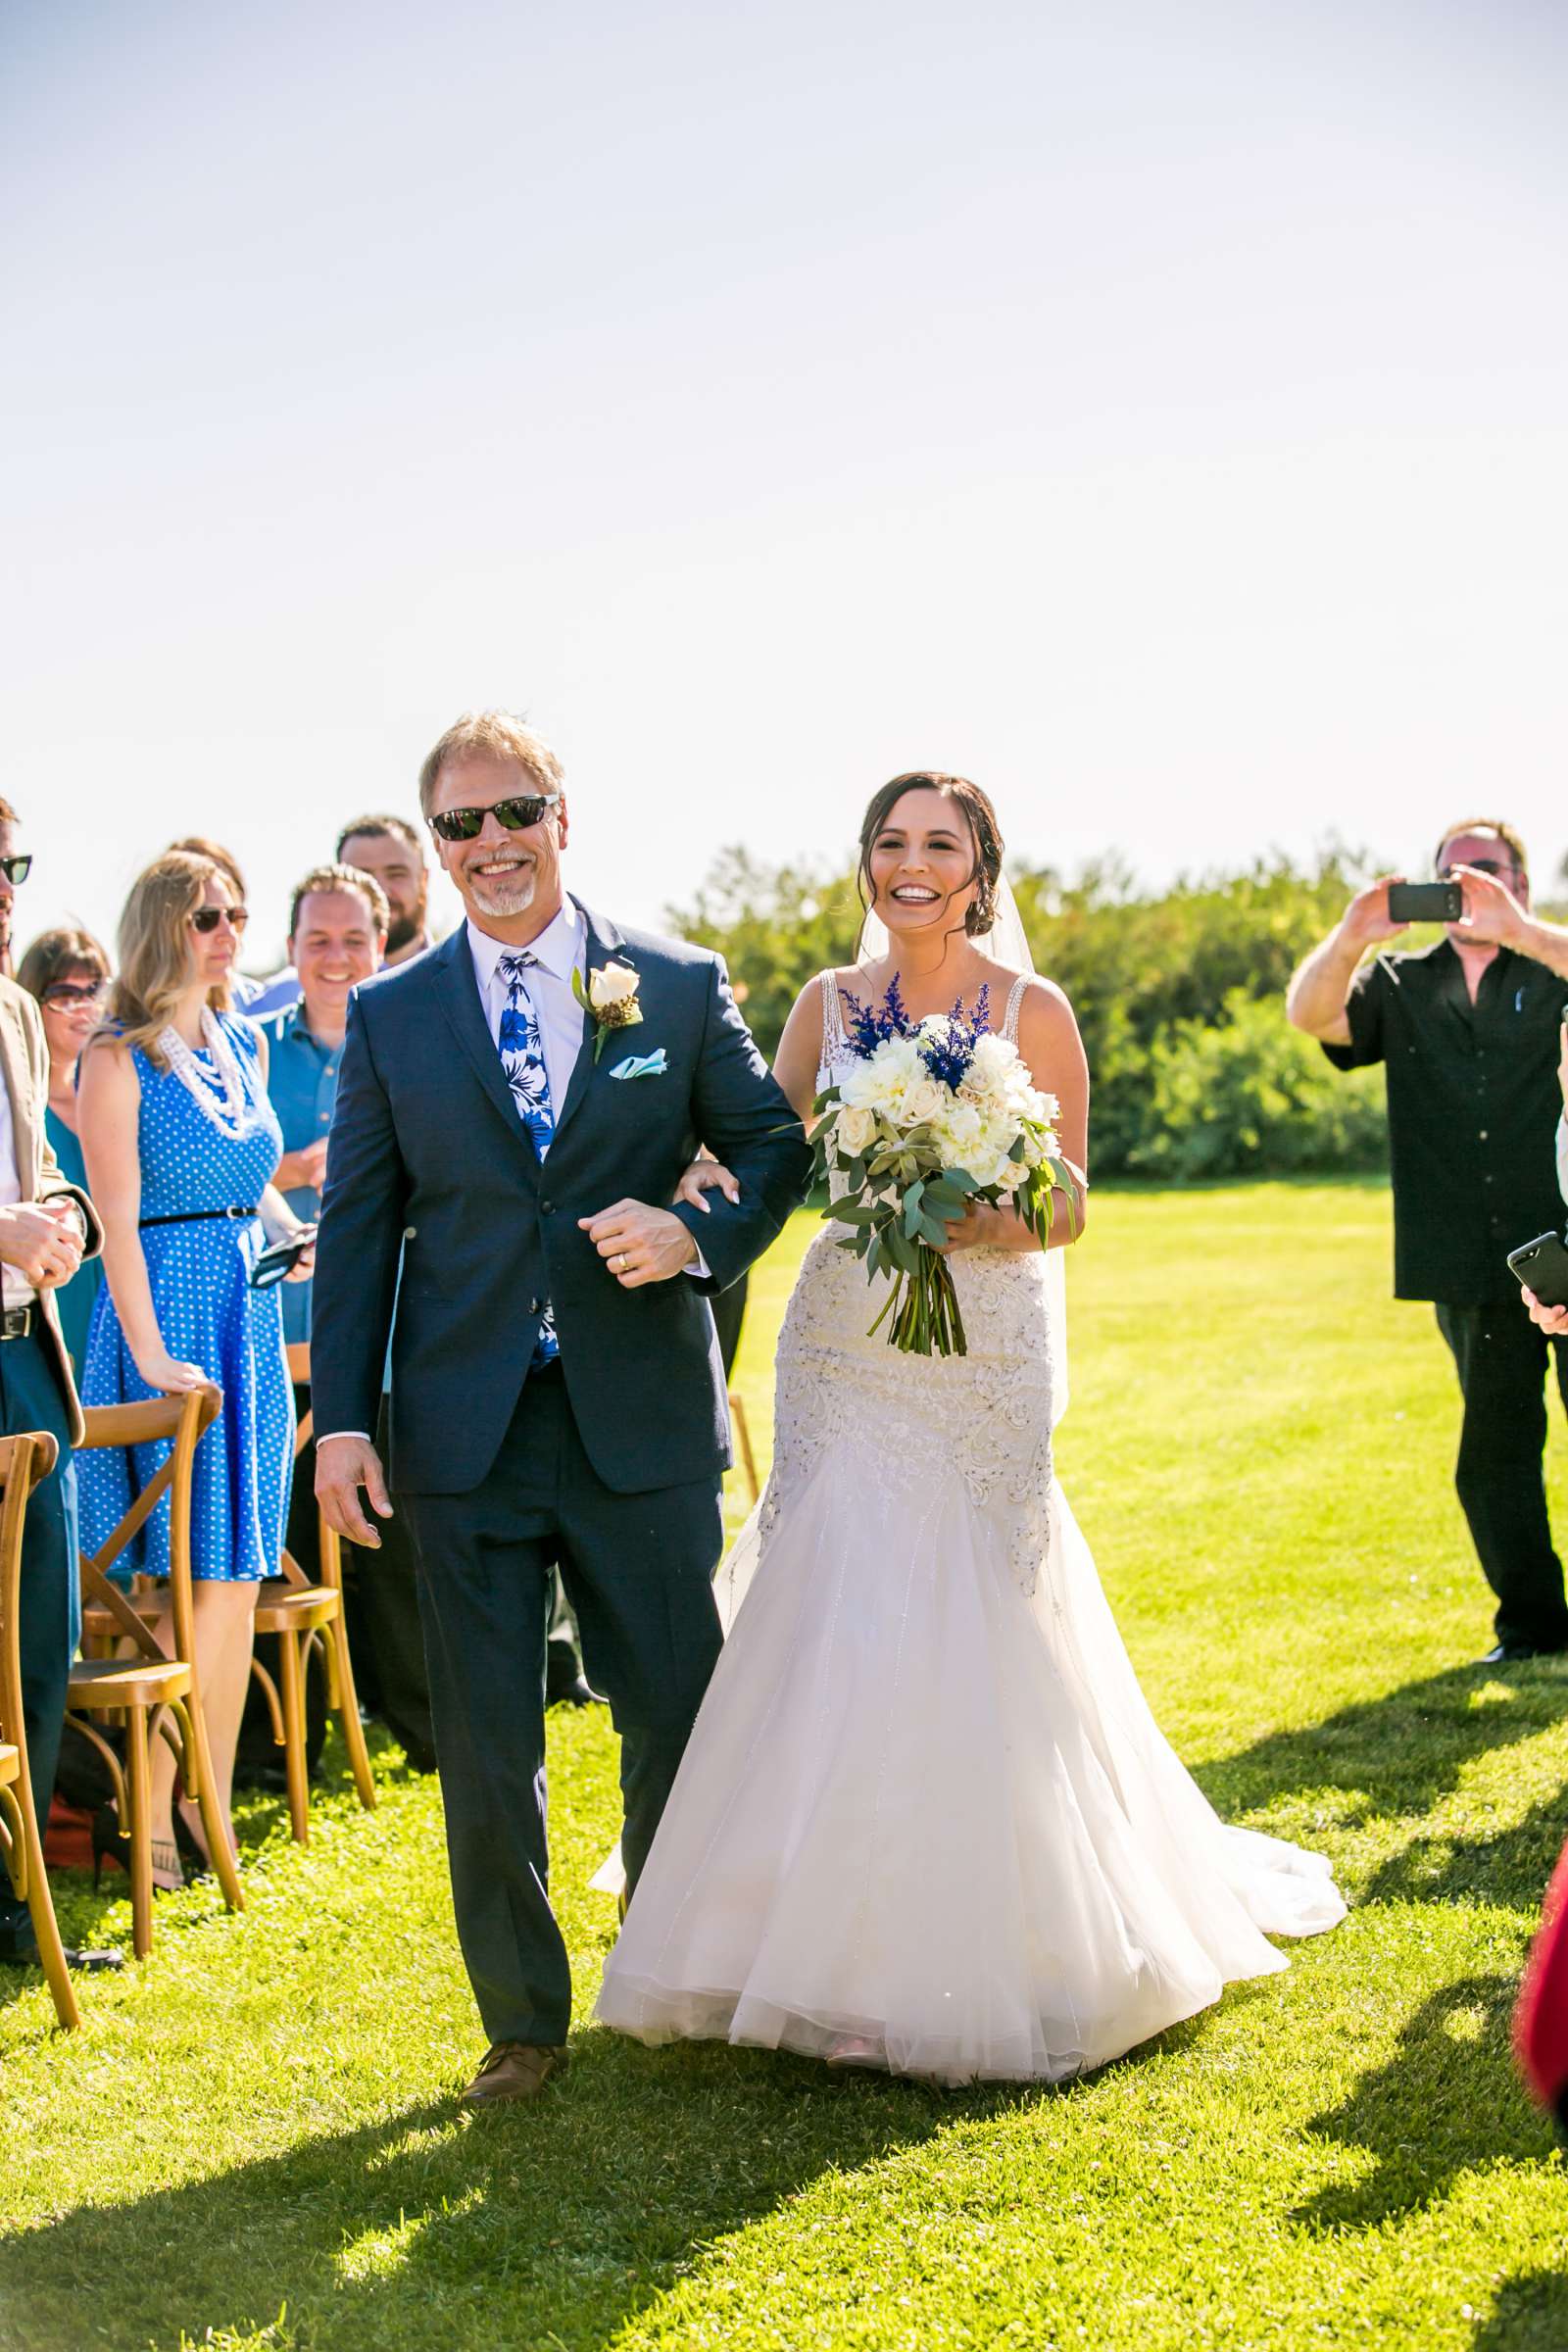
{"x": 561, "y": 949}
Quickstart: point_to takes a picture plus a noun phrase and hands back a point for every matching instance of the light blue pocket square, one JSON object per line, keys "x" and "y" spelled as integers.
{"x": 641, "y": 1065}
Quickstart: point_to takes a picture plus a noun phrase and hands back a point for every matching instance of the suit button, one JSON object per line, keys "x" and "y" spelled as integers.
{"x": 547, "y": 1208}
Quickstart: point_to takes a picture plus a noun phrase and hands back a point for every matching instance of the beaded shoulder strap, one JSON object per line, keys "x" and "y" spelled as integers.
{"x": 834, "y": 1040}
{"x": 1009, "y": 1019}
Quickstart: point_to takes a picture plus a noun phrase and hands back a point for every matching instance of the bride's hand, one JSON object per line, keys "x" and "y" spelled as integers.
{"x": 975, "y": 1230}
{"x": 707, "y": 1176}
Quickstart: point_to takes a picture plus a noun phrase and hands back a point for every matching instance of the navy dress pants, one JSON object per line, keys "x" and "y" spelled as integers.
{"x": 638, "y": 1571}
{"x": 30, "y": 1398}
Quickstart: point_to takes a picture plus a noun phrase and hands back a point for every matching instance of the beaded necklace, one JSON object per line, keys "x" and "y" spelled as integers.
{"x": 218, "y": 1093}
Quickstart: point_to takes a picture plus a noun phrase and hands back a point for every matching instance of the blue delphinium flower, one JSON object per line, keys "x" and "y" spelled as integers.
{"x": 948, "y": 1051}
{"x": 871, "y": 1026}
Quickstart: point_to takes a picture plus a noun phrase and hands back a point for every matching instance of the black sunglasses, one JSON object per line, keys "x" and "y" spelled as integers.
{"x": 16, "y": 869}
{"x": 516, "y": 814}
{"x": 208, "y": 918}
{"x": 1494, "y": 867}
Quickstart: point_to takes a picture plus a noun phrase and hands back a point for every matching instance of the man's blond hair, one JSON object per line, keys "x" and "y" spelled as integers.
{"x": 1511, "y": 841}
{"x": 491, "y": 735}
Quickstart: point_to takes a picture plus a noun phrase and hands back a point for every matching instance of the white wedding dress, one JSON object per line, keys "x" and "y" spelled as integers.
{"x": 926, "y": 1820}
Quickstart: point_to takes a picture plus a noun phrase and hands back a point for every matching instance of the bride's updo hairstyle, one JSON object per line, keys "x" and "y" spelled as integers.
{"x": 984, "y": 831}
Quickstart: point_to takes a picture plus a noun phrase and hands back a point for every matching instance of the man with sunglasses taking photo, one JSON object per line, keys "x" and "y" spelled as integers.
{"x": 1467, "y": 1031}
{"x": 514, "y": 1111}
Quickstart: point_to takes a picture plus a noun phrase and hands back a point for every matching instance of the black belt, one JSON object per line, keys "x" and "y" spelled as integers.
{"x": 192, "y": 1217}
{"x": 16, "y": 1322}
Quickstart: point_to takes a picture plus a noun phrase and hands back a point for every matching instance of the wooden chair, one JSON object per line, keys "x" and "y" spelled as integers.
{"x": 743, "y": 1439}
{"x": 150, "y": 1692}
{"x": 23, "y": 1461}
{"x": 307, "y": 1618}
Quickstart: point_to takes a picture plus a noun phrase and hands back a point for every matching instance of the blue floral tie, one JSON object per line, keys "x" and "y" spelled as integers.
{"x": 522, "y": 1057}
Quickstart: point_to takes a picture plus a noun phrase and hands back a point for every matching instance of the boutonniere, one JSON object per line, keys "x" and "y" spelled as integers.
{"x": 609, "y": 1000}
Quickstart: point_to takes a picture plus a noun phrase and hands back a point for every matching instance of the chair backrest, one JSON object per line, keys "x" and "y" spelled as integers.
{"x": 182, "y": 1419}
{"x": 23, "y": 1461}
{"x": 329, "y": 1542}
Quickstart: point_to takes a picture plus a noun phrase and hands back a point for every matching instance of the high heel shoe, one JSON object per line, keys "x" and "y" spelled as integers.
{"x": 192, "y": 1854}
{"x": 110, "y": 1844}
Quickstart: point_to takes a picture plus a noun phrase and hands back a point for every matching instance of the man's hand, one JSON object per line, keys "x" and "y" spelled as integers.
{"x": 1492, "y": 916}
{"x": 1366, "y": 918}
{"x": 639, "y": 1244}
{"x": 343, "y": 1465}
{"x": 307, "y": 1166}
{"x": 42, "y": 1240}
{"x": 1551, "y": 1319}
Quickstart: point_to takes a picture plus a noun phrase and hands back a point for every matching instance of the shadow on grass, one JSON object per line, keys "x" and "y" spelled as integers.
{"x": 1530, "y": 2315}
{"x": 546, "y": 2225}
{"x": 1398, "y": 1754}
{"x": 1446, "y": 2103}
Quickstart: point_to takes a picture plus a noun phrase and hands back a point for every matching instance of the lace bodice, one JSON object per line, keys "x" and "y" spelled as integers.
{"x": 889, "y": 1419}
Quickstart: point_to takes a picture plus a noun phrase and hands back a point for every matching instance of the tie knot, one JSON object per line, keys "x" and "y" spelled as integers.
{"x": 511, "y": 965}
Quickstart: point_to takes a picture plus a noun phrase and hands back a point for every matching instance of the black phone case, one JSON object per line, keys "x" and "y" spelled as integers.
{"x": 1425, "y": 902}
{"x": 1541, "y": 1266}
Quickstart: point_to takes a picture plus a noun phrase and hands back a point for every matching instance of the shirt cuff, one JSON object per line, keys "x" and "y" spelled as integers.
{"x": 343, "y": 1433}
{"x": 1562, "y": 1155}
{"x": 699, "y": 1269}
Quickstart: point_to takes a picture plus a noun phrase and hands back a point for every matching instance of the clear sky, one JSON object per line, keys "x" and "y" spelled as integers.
{"x": 1157, "y": 412}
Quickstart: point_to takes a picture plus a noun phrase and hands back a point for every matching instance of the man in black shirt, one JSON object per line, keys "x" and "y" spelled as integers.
{"x": 1468, "y": 1033}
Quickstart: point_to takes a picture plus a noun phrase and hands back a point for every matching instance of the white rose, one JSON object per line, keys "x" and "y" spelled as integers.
{"x": 856, "y": 1130}
{"x": 612, "y": 984}
{"x": 1013, "y": 1173}
{"x": 922, "y": 1100}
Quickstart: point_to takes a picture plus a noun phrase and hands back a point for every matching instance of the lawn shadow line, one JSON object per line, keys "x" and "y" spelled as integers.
{"x": 580, "y": 2209}
{"x": 1530, "y": 2315}
{"x": 1460, "y": 2033}
{"x": 1400, "y": 1751}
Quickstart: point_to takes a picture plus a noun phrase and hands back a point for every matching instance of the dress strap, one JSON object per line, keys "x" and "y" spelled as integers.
{"x": 1009, "y": 1019}
{"x": 834, "y": 1041}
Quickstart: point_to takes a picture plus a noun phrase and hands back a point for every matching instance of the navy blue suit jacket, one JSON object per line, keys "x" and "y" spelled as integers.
{"x": 429, "y": 1164}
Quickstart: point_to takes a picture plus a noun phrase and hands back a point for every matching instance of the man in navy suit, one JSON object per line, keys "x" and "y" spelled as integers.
{"x": 514, "y": 1107}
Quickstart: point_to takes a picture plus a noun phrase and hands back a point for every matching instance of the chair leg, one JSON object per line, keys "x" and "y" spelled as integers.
{"x": 205, "y": 1792}
{"x": 139, "y": 1779}
{"x": 347, "y": 1701}
{"x": 21, "y": 1824}
{"x": 293, "y": 1691}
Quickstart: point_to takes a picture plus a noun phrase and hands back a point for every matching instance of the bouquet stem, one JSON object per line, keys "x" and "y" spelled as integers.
{"x": 924, "y": 1307}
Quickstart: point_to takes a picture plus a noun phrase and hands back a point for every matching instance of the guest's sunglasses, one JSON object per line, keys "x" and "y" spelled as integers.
{"x": 67, "y": 995}
{"x": 16, "y": 869}
{"x": 208, "y": 918}
{"x": 516, "y": 814}
{"x": 1497, "y": 868}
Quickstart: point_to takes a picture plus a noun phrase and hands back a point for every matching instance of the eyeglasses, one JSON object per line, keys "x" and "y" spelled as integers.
{"x": 208, "y": 918}
{"x": 16, "y": 869}
{"x": 516, "y": 814}
{"x": 1497, "y": 868}
{"x": 66, "y": 994}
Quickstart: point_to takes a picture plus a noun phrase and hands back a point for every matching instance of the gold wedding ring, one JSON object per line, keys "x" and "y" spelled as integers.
{"x": 620, "y": 1261}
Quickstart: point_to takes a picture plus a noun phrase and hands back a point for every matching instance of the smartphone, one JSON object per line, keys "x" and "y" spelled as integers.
{"x": 1542, "y": 1266}
{"x": 1425, "y": 902}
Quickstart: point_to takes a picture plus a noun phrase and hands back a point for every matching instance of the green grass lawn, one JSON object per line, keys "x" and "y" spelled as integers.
{"x": 252, "y": 2141}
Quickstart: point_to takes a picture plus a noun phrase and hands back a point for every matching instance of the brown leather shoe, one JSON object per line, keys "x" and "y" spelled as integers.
{"x": 512, "y": 2070}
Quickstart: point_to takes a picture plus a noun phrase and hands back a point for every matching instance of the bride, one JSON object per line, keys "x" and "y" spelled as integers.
{"x": 925, "y": 1820}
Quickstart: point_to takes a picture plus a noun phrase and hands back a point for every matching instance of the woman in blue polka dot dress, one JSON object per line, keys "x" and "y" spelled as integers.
{"x": 181, "y": 1143}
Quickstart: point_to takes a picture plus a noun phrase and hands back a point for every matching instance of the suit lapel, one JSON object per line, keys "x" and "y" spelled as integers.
{"x": 603, "y": 943}
{"x": 458, "y": 994}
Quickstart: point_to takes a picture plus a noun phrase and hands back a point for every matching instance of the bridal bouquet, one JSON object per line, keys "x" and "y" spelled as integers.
{"x": 936, "y": 1115}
